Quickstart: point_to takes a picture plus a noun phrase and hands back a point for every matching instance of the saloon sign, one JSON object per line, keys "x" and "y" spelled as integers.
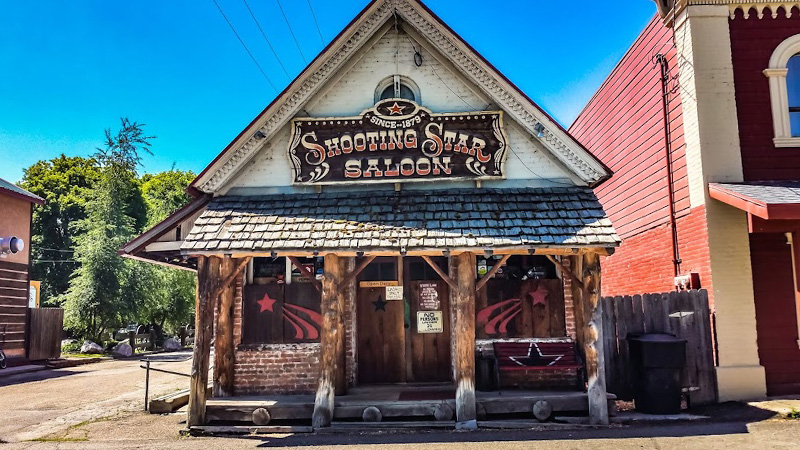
{"x": 398, "y": 141}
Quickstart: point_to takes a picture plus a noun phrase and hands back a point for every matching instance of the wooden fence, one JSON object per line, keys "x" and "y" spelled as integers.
{"x": 46, "y": 326}
{"x": 684, "y": 314}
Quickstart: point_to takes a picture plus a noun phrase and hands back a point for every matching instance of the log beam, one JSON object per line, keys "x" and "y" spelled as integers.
{"x": 566, "y": 271}
{"x": 463, "y": 301}
{"x": 229, "y": 277}
{"x": 332, "y": 313}
{"x": 207, "y": 274}
{"x": 440, "y": 272}
{"x": 353, "y": 273}
{"x": 593, "y": 339}
{"x": 482, "y": 282}
{"x": 224, "y": 351}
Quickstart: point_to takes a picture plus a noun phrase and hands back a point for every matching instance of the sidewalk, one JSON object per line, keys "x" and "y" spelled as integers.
{"x": 780, "y": 405}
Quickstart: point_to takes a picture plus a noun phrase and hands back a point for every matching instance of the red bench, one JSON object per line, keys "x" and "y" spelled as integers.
{"x": 513, "y": 357}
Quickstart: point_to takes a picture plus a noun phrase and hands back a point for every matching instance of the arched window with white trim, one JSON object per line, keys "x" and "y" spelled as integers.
{"x": 793, "y": 88}
{"x": 784, "y": 88}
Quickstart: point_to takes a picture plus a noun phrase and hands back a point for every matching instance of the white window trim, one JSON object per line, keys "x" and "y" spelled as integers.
{"x": 778, "y": 92}
{"x": 398, "y": 80}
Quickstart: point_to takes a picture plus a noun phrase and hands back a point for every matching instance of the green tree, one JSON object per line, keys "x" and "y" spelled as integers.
{"x": 171, "y": 294}
{"x": 66, "y": 184}
{"x": 105, "y": 289}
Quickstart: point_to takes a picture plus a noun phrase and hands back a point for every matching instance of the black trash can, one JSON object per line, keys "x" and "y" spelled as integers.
{"x": 657, "y": 361}
{"x": 486, "y": 380}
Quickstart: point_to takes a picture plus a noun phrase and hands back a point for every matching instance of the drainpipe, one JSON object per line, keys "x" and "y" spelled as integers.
{"x": 661, "y": 59}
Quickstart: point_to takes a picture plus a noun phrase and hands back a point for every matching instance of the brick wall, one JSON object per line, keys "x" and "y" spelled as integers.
{"x": 643, "y": 263}
{"x": 276, "y": 369}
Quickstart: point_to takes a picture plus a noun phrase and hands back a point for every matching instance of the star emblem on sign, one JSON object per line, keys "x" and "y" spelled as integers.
{"x": 379, "y": 304}
{"x": 396, "y": 109}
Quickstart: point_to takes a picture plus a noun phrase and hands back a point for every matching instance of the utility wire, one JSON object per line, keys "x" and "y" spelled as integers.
{"x": 244, "y": 45}
{"x": 265, "y": 38}
{"x": 290, "y": 31}
{"x": 321, "y": 39}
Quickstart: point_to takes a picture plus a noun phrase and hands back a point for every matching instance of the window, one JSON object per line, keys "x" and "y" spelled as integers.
{"x": 793, "y": 88}
{"x": 397, "y": 86}
{"x": 784, "y": 88}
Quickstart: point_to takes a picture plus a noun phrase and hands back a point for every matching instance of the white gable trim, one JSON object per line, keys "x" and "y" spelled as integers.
{"x": 506, "y": 96}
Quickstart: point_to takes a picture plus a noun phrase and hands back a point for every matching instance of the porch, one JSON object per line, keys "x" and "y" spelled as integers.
{"x": 398, "y": 403}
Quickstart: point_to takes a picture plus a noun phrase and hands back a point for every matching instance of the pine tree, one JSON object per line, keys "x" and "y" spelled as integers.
{"x": 105, "y": 288}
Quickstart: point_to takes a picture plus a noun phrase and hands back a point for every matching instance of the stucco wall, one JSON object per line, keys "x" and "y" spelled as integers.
{"x": 15, "y": 220}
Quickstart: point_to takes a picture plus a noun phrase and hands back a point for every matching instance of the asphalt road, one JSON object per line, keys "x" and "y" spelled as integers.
{"x": 99, "y": 406}
{"x": 39, "y": 404}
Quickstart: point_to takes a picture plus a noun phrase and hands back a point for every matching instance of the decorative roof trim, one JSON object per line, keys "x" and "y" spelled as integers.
{"x": 291, "y": 101}
{"x": 760, "y": 7}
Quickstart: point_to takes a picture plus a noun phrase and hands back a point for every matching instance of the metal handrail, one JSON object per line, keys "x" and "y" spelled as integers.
{"x": 147, "y": 367}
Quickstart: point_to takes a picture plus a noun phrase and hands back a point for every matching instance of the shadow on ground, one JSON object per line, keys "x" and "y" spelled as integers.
{"x": 35, "y": 376}
{"x": 726, "y": 419}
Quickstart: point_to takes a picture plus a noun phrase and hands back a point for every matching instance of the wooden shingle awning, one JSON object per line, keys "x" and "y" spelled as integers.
{"x": 769, "y": 200}
{"x": 161, "y": 243}
{"x": 409, "y": 221}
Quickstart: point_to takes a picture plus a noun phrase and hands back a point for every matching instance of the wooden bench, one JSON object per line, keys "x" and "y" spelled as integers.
{"x": 515, "y": 357}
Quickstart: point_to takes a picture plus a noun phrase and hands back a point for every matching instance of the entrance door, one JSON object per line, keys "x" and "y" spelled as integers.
{"x": 403, "y": 338}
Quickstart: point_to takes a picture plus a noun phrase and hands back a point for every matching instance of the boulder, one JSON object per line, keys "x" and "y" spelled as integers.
{"x": 68, "y": 342}
{"x": 172, "y": 344}
{"x": 123, "y": 349}
{"x": 91, "y": 347}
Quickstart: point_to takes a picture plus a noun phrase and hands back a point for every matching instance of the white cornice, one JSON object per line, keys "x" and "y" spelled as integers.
{"x": 564, "y": 147}
{"x": 761, "y": 7}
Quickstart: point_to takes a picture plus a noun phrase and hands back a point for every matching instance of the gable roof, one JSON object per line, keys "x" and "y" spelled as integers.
{"x": 16, "y": 191}
{"x": 347, "y": 43}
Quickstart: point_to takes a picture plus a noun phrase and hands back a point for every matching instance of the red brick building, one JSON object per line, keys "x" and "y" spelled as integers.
{"x": 713, "y": 196}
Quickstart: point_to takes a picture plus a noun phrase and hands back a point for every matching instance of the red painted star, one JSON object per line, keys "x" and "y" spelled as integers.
{"x": 396, "y": 109}
{"x": 266, "y": 303}
{"x": 539, "y": 296}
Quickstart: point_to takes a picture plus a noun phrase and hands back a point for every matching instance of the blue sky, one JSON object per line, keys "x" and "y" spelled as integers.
{"x": 70, "y": 69}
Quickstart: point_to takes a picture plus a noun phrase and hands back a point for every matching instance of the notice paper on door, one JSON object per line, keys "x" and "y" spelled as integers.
{"x": 394, "y": 293}
{"x": 429, "y": 322}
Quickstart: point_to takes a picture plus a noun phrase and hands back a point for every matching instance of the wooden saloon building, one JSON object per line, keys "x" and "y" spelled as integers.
{"x": 400, "y": 211}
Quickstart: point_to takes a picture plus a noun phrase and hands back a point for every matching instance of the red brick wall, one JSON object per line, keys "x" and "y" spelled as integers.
{"x": 277, "y": 369}
{"x": 643, "y": 263}
{"x": 753, "y": 41}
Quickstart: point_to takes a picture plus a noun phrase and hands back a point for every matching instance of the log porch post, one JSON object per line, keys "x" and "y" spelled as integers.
{"x": 224, "y": 350}
{"x": 589, "y": 326}
{"x": 207, "y": 275}
{"x": 332, "y": 331}
{"x": 463, "y": 301}
{"x": 345, "y": 291}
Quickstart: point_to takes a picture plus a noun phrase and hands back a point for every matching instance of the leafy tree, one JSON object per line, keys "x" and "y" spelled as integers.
{"x": 170, "y": 300}
{"x": 165, "y": 193}
{"x": 66, "y": 184}
{"x": 105, "y": 289}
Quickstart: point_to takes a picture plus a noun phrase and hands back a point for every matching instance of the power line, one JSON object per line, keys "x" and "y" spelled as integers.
{"x": 265, "y": 38}
{"x": 244, "y": 45}
{"x": 321, "y": 39}
{"x": 290, "y": 31}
